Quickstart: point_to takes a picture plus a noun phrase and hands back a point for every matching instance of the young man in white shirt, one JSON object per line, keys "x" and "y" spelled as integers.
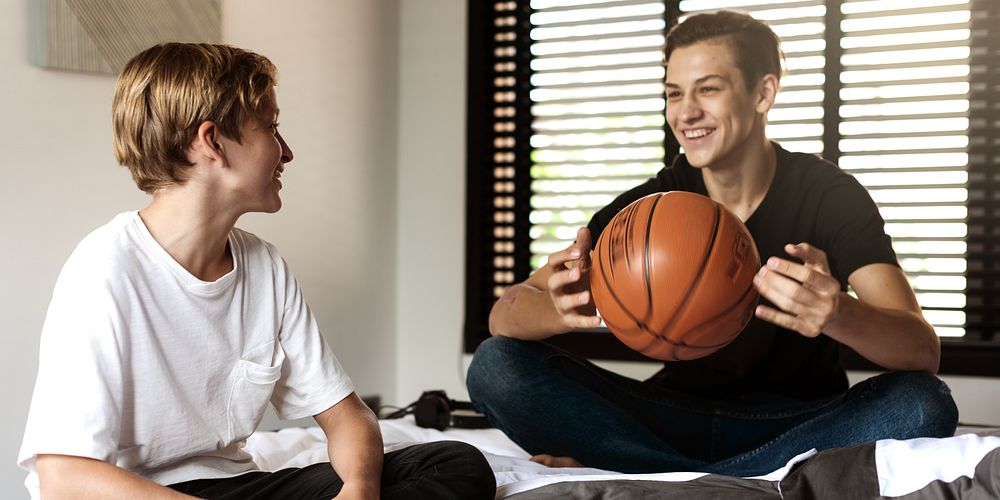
{"x": 170, "y": 330}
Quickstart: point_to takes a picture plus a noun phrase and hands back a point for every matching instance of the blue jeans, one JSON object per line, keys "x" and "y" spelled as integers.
{"x": 549, "y": 401}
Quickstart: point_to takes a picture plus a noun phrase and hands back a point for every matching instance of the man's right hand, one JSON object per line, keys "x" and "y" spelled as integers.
{"x": 555, "y": 299}
{"x": 569, "y": 283}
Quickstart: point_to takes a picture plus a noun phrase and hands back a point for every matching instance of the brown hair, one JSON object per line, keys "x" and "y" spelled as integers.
{"x": 166, "y": 92}
{"x": 755, "y": 47}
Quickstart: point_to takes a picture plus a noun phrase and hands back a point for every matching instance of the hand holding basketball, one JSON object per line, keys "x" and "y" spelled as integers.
{"x": 569, "y": 284}
{"x": 806, "y": 293}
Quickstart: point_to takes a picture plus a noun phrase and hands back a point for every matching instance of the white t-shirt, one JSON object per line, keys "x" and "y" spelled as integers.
{"x": 144, "y": 366}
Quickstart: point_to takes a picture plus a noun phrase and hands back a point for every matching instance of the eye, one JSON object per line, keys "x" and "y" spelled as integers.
{"x": 673, "y": 95}
{"x": 708, "y": 90}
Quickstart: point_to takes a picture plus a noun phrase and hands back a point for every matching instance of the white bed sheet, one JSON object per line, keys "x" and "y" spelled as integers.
{"x": 515, "y": 473}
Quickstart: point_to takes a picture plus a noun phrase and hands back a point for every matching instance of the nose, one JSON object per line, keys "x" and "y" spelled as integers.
{"x": 286, "y": 152}
{"x": 689, "y": 110}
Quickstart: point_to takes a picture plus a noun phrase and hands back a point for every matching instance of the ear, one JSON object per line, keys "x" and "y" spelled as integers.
{"x": 767, "y": 92}
{"x": 207, "y": 144}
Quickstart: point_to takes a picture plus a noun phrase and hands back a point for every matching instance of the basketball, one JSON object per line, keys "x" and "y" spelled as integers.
{"x": 673, "y": 276}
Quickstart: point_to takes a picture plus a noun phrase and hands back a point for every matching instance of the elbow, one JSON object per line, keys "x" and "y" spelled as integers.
{"x": 934, "y": 352}
{"x": 930, "y": 354}
{"x": 497, "y": 326}
{"x": 494, "y": 321}
{"x": 520, "y": 321}
{"x": 501, "y": 310}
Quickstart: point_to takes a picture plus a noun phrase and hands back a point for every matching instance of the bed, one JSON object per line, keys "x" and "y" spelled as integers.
{"x": 964, "y": 466}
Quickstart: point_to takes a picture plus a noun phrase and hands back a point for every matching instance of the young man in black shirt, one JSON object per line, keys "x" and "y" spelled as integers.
{"x": 778, "y": 390}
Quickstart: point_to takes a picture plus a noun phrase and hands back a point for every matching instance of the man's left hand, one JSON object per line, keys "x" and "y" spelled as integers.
{"x": 807, "y": 295}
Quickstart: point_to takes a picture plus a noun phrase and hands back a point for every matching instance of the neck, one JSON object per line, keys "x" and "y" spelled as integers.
{"x": 742, "y": 184}
{"x": 191, "y": 229}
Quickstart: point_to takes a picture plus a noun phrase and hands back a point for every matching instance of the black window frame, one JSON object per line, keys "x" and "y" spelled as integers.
{"x": 976, "y": 354}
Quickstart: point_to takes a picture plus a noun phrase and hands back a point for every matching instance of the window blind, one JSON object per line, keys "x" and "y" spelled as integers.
{"x": 499, "y": 146}
{"x": 597, "y": 110}
{"x": 904, "y": 103}
{"x": 983, "y": 240}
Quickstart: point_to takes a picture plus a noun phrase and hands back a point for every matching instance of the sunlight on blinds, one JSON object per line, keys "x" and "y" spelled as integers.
{"x": 905, "y": 104}
{"x": 504, "y": 157}
{"x": 598, "y": 110}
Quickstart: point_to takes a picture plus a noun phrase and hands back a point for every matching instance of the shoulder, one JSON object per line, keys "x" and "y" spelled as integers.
{"x": 106, "y": 251}
{"x": 808, "y": 166}
{"x": 256, "y": 255}
{"x": 807, "y": 175}
{"x": 93, "y": 285}
{"x": 843, "y": 218}
{"x": 113, "y": 236}
{"x": 255, "y": 245}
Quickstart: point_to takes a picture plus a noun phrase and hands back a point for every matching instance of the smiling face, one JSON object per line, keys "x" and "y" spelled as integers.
{"x": 257, "y": 162}
{"x": 713, "y": 115}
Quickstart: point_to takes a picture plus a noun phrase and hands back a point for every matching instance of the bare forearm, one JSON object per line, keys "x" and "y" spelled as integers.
{"x": 527, "y": 313}
{"x": 69, "y": 477}
{"x": 892, "y": 338}
{"x": 355, "y": 446}
{"x": 357, "y": 454}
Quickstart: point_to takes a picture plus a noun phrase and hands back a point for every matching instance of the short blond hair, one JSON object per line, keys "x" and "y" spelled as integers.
{"x": 167, "y": 91}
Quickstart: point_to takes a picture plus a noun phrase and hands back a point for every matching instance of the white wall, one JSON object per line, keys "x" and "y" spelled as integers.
{"x": 337, "y": 90}
{"x": 58, "y": 180}
{"x": 431, "y": 210}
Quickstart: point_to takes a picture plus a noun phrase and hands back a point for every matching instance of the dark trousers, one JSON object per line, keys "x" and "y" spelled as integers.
{"x": 440, "y": 470}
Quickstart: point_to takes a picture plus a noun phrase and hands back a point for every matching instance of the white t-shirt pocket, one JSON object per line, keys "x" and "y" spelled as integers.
{"x": 253, "y": 384}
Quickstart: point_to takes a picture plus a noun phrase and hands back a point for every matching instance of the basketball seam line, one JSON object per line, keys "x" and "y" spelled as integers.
{"x": 694, "y": 283}
{"x": 736, "y": 304}
{"x": 645, "y": 263}
{"x": 614, "y": 295}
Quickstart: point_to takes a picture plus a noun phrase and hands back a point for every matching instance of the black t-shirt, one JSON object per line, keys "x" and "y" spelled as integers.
{"x": 810, "y": 200}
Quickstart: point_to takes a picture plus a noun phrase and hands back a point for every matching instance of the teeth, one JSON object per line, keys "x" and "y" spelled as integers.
{"x": 696, "y": 133}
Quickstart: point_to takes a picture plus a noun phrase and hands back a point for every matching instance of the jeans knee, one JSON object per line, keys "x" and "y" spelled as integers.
{"x": 493, "y": 365}
{"x": 483, "y": 364}
{"x": 927, "y": 400}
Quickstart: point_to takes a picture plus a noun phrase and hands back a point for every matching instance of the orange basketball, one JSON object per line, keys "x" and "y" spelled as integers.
{"x": 673, "y": 276}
